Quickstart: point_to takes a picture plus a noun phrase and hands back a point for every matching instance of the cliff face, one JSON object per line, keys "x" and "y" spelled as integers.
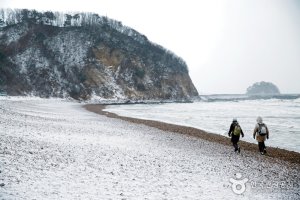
{"x": 88, "y": 61}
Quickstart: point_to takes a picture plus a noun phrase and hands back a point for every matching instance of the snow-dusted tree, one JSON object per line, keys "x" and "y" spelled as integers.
{"x": 10, "y": 17}
{"x": 90, "y": 20}
{"x": 68, "y": 20}
{"x": 2, "y": 22}
{"x": 24, "y": 14}
{"x": 76, "y": 20}
{"x": 48, "y": 17}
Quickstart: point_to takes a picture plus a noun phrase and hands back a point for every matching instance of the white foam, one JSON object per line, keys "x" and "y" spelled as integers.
{"x": 281, "y": 116}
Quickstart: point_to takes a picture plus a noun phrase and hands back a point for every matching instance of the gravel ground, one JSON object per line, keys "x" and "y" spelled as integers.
{"x": 56, "y": 149}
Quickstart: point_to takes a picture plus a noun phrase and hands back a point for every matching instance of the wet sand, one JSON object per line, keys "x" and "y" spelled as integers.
{"x": 273, "y": 153}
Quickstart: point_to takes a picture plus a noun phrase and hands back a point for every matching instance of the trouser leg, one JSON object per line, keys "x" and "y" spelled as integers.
{"x": 236, "y": 146}
{"x": 260, "y": 146}
{"x": 264, "y": 147}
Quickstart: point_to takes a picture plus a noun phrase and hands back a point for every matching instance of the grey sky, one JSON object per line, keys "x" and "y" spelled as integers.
{"x": 227, "y": 44}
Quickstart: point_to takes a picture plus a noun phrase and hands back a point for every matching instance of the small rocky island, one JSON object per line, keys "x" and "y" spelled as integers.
{"x": 263, "y": 88}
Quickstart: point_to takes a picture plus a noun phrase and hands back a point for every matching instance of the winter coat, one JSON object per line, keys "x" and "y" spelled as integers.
{"x": 234, "y": 138}
{"x": 260, "y": 138}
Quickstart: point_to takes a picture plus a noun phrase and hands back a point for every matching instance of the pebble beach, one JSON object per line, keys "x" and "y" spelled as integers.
{"x": 59, "y": 149}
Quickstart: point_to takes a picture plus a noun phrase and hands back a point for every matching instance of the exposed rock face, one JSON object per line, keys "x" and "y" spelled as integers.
{"x": 263, "y": 88}
{"x": 86, "y": 61}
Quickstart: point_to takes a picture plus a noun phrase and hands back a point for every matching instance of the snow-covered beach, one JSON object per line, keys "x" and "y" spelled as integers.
{"x": 56, "y": 149}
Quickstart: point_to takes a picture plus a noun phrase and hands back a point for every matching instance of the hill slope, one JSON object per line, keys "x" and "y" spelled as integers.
{"x": 84, "y": 55}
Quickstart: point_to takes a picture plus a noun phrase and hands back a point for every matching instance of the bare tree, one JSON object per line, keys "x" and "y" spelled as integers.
{"x": 49, "y": 17}
{"x": 68, "y": 20}
{"x": 76, "y": 20}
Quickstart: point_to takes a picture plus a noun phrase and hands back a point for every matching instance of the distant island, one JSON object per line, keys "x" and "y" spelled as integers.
{"x": 263, "y": 88}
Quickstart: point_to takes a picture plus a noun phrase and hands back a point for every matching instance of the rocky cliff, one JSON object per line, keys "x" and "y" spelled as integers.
{"x": 85, "y": 56}
{"x": 263, "y": 88}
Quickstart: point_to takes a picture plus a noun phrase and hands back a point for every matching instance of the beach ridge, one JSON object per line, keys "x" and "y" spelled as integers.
{"x": 273, "y": 153}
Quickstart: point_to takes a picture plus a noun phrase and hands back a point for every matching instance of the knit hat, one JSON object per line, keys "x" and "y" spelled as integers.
{"x": 259, "y": 120}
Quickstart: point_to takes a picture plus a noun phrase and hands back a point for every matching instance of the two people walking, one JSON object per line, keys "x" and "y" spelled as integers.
{"x": 260, "y": 133}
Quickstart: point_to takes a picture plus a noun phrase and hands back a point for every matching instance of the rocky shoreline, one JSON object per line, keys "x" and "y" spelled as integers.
{"x": 274, "y": 154}
{"x": 56, "y": 149}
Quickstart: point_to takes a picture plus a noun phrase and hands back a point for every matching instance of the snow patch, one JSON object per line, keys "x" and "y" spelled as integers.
{"x": 14, "y": 34}
{"x": 71, "y": 47}
{"x": 30, "y": 56}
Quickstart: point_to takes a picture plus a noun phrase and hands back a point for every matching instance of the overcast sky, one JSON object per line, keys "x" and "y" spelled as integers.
{"x": 227, "y": 44}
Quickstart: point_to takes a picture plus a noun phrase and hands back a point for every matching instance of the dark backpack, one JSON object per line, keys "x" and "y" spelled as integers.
{"x": 262, "y": 129}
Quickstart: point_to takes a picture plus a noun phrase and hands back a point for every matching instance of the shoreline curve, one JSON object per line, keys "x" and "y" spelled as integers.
{"x": 273, "y": 153}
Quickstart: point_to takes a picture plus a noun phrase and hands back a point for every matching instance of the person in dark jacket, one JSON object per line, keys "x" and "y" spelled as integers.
{"x": 235, "y": 131}
{"x": 261, "y": 133}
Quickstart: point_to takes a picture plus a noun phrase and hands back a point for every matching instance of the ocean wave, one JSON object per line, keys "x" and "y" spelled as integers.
{"x": 215, "y": 117}
{"x": 242, "y": 97}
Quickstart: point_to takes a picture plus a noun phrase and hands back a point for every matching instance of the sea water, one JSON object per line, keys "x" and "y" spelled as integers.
{"x": 282, "y": 117}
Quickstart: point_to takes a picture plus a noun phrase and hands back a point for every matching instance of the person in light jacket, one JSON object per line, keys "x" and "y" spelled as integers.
{"x": 261, "y": 133}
